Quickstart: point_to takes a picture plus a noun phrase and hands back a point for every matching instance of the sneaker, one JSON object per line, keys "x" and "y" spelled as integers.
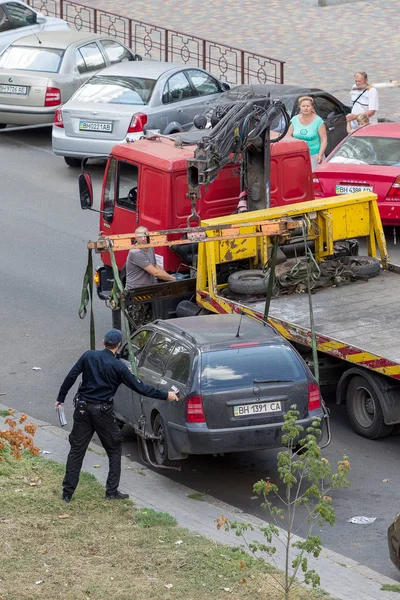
{"x": 67, "y": 499}
{"x": 116, "y": 496}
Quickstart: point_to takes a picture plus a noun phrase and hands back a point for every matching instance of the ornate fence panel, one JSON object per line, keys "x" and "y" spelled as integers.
{"x": 229, "y": 64}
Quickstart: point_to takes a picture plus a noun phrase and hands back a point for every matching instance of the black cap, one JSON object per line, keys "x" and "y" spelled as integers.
{"x": 113, "y": 337}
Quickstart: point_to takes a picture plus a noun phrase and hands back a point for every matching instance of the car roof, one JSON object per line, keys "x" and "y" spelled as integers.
{"x": 216, "y": 331}
{"x": 379, "y": 130}
{"x": 261, "y": 89}
{"x": 149, "y": 69}
{"x": 57, "y": 39}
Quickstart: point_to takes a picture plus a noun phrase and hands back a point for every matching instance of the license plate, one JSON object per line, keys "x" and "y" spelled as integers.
{"x": 256, "y": 409}
{"x": 95, "y": 126}
{"x": 352, "y": 189}
{"x": 13, "y": 89}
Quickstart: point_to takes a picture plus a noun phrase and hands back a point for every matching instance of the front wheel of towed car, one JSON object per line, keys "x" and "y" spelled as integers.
{"x": 160, "y": 446}
{"x": 73, "y": 162}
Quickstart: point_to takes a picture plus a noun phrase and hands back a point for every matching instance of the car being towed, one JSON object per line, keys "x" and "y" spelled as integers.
{"x": 39, "y": 72}
{"x": 237, "y": 378}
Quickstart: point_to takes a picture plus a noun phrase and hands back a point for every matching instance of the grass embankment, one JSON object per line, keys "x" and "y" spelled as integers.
{"x": 104, "y": 550}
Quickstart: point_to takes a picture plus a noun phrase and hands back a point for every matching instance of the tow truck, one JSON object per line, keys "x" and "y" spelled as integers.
{"x": 355, "y": 325}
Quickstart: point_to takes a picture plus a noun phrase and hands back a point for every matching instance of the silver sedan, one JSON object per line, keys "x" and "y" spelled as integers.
{"x": 40, "y": 72}
{"x": 121, "y": 100}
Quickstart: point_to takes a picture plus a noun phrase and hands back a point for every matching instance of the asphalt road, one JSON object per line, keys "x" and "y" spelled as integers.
{"x": 43, "y": 235}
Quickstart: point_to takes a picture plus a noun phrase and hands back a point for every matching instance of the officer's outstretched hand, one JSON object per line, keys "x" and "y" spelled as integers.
{"x": 172, "y": 396}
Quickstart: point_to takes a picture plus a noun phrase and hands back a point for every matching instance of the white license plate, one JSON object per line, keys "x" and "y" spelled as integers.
{"x": 95, "y": 126}
{"x": 352, "y": 189}
{"x": 13, "y": 89}
{"x": 256, "y": 409}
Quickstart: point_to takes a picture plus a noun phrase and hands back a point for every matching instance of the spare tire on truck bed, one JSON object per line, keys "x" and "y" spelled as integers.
{"x": 252, "y": 282}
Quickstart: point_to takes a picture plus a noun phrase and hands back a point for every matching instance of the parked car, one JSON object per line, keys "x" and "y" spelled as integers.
{"x": 367, "y": 160}
{"x": 40, "y": 72}
{"x": 394, "y": 542}
{"x": 18, "y": 19}
{"x": 125, "y": 98}
{"x": 237, "y": 378}
{"x": 330, "y": 109}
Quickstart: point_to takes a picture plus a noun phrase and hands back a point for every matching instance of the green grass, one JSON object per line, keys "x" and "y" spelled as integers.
{"x": 94, "y": 549}
{"x": 389, "y": 587}
{"x": 4, "y": 413}
{"x": 196, "y": 496}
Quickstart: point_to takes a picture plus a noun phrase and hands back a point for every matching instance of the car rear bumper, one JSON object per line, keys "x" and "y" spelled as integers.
{"x": 390, "y": 212}
{"x": 77, "y": 147}
{"x": 196, "y": 438}
{"x": 31, "y": 116}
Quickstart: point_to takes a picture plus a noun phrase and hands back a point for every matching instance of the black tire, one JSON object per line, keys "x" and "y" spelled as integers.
{"x": 116, "y": 319}
{"x": 364, "y": 409}
{"x": 73, "y": 162}
{"x": 249, "y": 283}
{"x": 160, "y": 447}
{"x": 364, "y": 266}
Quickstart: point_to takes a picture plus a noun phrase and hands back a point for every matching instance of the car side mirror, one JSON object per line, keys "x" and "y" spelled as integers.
{"x": 85, "y": 191}
{"x": 225, "y": 86}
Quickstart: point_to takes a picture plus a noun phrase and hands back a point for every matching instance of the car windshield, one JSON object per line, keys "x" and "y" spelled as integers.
{"x": 25, "y": 58}
{"x": 116, "y": 90}
{"x": 368, "y": 150}
{"x": 240, "y": 367}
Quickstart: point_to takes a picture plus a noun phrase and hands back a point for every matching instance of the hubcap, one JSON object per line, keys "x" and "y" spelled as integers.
{"x": 364, "y": 407}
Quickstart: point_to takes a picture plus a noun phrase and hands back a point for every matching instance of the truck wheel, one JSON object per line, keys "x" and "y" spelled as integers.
{"x": 364, "y": 409}
{"x": 160, "y": 446}
{"x": 116, "y": 319}
{"x": 73, "y": 162}
{"x": 248, "y": 283}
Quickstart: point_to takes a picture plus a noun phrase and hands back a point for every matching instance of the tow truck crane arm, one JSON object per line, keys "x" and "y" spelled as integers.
{"x": 241, "y": 135}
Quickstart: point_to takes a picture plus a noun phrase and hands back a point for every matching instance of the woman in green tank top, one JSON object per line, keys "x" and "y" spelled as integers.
{"x": 308, "y": 126}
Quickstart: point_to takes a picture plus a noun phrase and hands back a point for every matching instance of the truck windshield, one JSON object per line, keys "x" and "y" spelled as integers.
{"x": 237, "y": 368}
{"x": 111, "y": 89}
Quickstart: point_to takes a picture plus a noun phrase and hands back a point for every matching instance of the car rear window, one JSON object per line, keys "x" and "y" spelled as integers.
{"x": 116, "y": 90}
{"x": 23, "y": 58}
{"x": 240, "y": 367}
{"x": 368, "y": 150}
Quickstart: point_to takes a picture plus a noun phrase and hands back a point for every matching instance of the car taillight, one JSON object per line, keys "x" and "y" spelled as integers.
{"x": 58, "y": 118}
{"x": 394, "y": 192}
{"x": 314, "y": 396}
{"x": 53, "y": 97}
{"x": 318, "y": 191}
{"x": 194, "y": 410}
{"x": 137, "y": 123}
{"x": 96, "y": 278}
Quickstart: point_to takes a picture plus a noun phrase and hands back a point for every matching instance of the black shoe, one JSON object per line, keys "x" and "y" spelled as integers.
{"x": 67, "y": 499}
{"x": 116, "y": 496}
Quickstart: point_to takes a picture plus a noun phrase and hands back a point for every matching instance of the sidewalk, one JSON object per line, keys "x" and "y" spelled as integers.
{"x": 150, "y": 489}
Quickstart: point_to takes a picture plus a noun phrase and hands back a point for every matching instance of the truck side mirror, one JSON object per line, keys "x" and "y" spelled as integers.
{"x": 85, "y": 191}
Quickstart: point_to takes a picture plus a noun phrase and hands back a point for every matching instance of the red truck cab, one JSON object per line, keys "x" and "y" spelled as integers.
{"x": 145, "y": 183}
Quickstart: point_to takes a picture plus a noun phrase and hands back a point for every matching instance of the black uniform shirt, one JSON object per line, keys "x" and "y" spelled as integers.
{"x": 102, "y": 373}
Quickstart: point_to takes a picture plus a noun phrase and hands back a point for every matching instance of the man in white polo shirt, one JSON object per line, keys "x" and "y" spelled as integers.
{"x": 364, "y": 100}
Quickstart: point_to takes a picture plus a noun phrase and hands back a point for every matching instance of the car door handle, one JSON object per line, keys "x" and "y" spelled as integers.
{"x": 331, "y": 128}
{"x": 179, "y": 109}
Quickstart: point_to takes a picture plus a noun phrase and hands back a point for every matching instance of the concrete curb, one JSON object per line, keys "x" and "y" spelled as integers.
{"x": 342, "y": 577}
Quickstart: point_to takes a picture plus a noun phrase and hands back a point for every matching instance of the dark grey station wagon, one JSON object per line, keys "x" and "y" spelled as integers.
{"x": 237, "y": 378}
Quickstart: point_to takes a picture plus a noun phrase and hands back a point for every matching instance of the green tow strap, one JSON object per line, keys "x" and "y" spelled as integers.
{"x": 86, "y": 297}
{"x": 118, "y": 299}
{"x": 271, "y": 280}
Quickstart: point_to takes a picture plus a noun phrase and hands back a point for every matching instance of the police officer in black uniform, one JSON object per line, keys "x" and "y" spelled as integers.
{"x": 102, "y": 373}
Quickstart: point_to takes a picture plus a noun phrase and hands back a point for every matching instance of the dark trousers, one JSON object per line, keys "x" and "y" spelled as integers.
{"x": 92, "y": 420}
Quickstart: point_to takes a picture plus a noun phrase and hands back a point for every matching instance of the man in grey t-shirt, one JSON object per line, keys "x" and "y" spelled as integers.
{"x": 141, "y": 270}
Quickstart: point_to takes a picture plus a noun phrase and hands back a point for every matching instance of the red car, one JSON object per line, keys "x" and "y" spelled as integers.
{"x": 366, "y": 160}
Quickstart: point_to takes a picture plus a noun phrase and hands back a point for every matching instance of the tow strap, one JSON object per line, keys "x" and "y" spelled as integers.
{"x": 86, "y": 297}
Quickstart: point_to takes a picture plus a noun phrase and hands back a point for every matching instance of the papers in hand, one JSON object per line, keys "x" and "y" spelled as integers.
{"x": 61, "y": 416}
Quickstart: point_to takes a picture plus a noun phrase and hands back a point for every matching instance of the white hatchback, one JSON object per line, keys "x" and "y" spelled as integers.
{"x": 18, "y": 19}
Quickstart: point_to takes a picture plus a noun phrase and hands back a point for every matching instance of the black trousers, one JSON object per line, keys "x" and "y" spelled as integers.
{"x": 93, "y": 420}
